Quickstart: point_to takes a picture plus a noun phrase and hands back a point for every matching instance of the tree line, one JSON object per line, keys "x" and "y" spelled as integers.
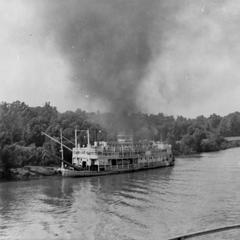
{"x": 21, "y": 141}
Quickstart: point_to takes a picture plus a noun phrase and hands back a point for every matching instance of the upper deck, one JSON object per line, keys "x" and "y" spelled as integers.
{"x": 116, "y": 150}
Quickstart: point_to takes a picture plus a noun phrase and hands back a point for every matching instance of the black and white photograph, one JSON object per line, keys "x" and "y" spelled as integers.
{"x": 119, "y": 119}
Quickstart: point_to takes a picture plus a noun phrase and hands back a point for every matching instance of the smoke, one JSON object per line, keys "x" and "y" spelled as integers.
{"x": 171, "y": 56}
{"x": 109, "y": 45}
{"x": 197, "y": 71}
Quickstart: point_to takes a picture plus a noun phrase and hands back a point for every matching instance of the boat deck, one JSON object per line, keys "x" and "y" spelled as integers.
{"x": 116, "y": 169}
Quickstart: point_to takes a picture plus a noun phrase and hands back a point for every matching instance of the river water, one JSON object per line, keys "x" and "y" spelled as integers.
{"x": 198, "y": 193}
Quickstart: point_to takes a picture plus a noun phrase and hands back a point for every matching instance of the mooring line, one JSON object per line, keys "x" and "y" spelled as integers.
{"x": 210, "y": 231}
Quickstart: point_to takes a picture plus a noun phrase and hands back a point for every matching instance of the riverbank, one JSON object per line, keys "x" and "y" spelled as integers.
{"x": 188, "y": 152}
{"x": 28, "y": 172}
{"x": 34, "y": 172}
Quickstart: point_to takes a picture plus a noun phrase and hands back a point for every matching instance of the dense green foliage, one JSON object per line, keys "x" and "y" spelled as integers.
{"x": 21, "y": 141}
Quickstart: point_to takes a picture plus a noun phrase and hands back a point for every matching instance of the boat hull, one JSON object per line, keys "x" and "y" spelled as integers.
{"x": 117, "y": 170}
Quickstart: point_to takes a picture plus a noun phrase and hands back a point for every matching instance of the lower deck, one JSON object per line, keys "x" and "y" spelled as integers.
{"x": 116, "y": 169}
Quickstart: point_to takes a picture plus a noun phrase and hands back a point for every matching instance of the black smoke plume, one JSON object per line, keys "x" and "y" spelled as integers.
{"x": 109, "y": 44}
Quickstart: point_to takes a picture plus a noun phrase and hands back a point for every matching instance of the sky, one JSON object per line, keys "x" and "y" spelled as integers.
{"x": 170, "y": 56}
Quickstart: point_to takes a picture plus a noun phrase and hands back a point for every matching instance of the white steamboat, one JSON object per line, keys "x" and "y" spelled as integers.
{"x": 103, "y": 158}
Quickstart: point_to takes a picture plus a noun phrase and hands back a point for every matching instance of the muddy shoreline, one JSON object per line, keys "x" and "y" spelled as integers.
{"x": 28, "y": 172}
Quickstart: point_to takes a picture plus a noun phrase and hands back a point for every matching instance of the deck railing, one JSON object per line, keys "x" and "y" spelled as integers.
{"x": 122, "y": 155}
{"x": 131, "y": 166}
{"x": 117, "y": 154}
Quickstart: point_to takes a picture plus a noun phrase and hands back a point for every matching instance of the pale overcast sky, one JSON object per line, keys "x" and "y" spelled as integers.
{"x": 187, "y": 59}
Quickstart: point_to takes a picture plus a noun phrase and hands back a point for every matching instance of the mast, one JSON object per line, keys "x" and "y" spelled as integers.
{"x": 88, "y": 139}
{"x": 75, "y": 138}
{"x": 62, "y": 166}
{"x": 55, "y": 140}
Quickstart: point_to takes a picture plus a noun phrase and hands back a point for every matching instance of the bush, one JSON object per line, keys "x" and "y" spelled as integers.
{"x": 15, "y": 155}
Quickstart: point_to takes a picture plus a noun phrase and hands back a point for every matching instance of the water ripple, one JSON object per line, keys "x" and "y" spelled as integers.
{"x": 200, "y": 192}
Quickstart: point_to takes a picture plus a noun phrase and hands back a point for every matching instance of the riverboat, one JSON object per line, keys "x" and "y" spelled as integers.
{"x": 124, "y": 155}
